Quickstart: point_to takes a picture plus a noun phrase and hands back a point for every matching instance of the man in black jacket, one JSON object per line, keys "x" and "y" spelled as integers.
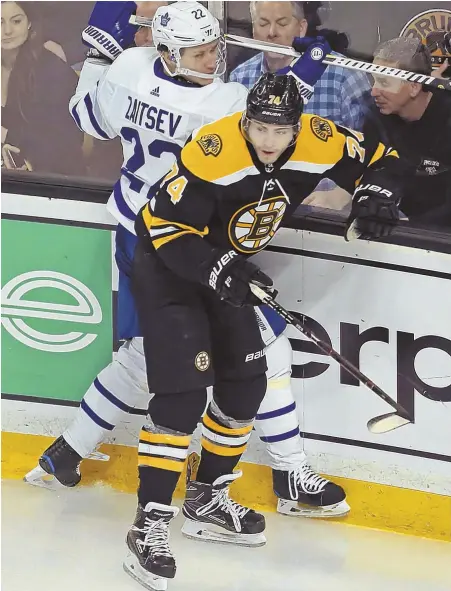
{"x": 417, "y": 123}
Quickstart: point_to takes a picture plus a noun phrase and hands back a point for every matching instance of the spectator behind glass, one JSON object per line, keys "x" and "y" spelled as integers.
{"x": 418, "y": 124}
{"x": 339, "y": 92}
{"x": 37, "y": 131}
{"x": 105, "y": 158}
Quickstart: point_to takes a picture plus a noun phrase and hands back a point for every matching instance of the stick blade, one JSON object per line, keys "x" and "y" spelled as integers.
{"x": 386, "y": 423}
{"x": 353, "y": 232}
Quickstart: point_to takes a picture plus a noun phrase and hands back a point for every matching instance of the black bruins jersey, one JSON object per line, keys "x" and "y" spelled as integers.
{"x": 219, "y": 190}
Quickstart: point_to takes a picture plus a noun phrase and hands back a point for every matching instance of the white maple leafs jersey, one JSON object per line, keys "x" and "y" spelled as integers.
{"x": 152, "y": 113}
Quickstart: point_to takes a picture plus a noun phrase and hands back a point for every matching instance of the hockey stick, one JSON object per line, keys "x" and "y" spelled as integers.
{"x": 140, "y": 21}
{"x": 380, "y": 424}
{"x": 344, "y": 62}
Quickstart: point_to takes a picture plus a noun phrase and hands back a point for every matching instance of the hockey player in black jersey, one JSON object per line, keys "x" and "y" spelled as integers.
{"x": 222, "y": 201}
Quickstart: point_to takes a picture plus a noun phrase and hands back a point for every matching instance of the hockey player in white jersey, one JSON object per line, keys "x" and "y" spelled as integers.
{"x": 139, "y": 97}
{"x": 152, "y": 101}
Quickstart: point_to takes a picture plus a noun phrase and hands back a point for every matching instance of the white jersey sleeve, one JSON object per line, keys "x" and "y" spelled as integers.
{"x": 85, "y": 106}
{"x": 152, "y": 113}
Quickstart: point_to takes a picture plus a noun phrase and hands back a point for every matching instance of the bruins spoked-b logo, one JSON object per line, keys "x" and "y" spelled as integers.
{"x": 211, "y": 144}
{"x": 321, "y": 128}
{"x": 202, "y": 361}
{"x": 254, "y": 225}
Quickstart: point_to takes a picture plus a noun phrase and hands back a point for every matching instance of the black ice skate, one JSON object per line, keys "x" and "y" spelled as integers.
{"x": 213, "y": 517}
{"x": 303, "y": 493}
{"x": 150, "y": 560}
{"x": 58, "y": 465}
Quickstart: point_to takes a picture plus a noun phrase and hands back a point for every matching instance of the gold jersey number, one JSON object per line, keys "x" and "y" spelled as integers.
{"x": 176, "y": 187}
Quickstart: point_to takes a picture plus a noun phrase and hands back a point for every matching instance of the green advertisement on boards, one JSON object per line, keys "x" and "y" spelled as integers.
{"x": 56, "y": 308}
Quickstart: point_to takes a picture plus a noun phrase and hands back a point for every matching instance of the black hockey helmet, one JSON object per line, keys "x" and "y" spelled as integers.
{"x": 275, "y": 100}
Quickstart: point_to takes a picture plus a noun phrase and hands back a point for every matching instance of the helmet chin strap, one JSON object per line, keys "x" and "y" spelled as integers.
{"x": 176, "y": 59}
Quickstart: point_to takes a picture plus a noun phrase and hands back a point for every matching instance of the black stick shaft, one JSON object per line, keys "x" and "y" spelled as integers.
{"x": 325, "y": 348}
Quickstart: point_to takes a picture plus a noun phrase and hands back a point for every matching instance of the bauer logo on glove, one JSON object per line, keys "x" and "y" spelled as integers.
{"x": 219, "y": 267}
{"x": 374, "y": 189}
{"x": 375, "y": 212}
{"x": 230, "y": 277}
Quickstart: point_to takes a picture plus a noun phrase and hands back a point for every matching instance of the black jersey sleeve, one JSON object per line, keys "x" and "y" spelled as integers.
{"x": 359, "y": 153}
{"x": 177, "y": 220}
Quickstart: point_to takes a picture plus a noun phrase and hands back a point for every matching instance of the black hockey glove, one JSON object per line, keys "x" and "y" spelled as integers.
{"x": 230, "y": 277}
{"x": 374, "y": 212}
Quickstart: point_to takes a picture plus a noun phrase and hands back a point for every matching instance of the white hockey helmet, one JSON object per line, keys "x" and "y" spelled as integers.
{"x": 187, "y": 24}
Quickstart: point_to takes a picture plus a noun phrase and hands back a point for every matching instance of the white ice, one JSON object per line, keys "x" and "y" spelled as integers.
{"x": 74, "y": 540}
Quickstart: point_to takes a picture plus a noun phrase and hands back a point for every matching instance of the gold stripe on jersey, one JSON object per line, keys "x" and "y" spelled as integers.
{"x": 157, "y": 243}
{"x": 382, "y": 151}
{"x": 178, "y": 230}
{"x": 218, "y": 150}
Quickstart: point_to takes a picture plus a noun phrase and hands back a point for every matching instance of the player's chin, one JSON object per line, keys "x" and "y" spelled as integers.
{"x": 201, "y": 81}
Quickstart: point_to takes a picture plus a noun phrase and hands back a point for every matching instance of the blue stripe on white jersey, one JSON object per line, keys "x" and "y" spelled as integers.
{"x": 96, "y": 123}
{"x": 85, "y": 107}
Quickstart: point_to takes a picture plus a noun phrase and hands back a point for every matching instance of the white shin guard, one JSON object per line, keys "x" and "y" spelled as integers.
{"x": 277, "y": 422}
{"x": 117, "y": 390}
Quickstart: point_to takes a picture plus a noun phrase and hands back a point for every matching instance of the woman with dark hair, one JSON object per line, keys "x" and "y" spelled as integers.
{"x": 37, "y": 131}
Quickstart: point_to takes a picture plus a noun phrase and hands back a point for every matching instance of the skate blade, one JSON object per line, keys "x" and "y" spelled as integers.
{"x": 39, "y": 477}
{"x": 135, "y": 571}
{"x": 295, "y": 509}
{"x": 97, "y": 455}
{"x": 196, "y": 530}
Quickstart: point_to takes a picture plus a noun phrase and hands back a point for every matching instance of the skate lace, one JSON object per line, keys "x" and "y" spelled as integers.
{"x": 221, "y": 500}
{"x": 307, "y": 480}
{"x": 156, "y": 538}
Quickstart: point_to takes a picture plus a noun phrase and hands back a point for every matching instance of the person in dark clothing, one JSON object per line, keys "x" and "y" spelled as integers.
{"x": 37, "y": 131}
{"x": 417, "y": 123}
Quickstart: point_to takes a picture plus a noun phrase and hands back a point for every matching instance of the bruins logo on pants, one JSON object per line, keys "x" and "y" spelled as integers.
{"x": 254, "y": 225}
{"x": 202, "y": 361}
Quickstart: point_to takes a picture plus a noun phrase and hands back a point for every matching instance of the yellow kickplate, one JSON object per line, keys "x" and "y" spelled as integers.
{"x": 372, "y": 505}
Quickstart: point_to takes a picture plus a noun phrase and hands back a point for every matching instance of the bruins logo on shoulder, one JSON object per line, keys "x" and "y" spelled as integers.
{"x": 211, "y": 144}
{"x": 321, "y": 128}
